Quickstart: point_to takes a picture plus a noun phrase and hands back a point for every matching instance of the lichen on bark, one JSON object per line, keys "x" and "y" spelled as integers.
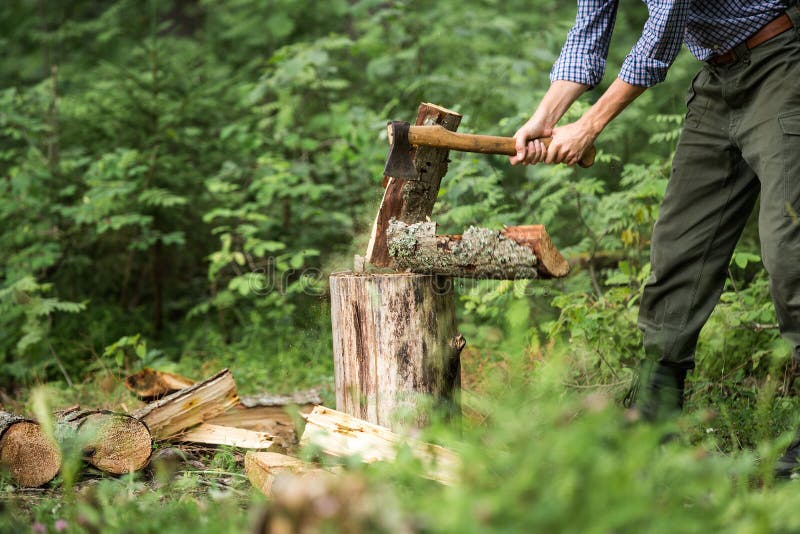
{"x": 478, "y": 253}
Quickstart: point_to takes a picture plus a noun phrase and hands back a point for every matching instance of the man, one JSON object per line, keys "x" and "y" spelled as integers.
{"x": 741, "y": 137}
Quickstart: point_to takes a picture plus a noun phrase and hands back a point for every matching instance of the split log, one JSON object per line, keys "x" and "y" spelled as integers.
{"x": 149, "y": 384}
{"x": 171, "y": 415}
{"x": 514, "y": 253}
{"x": 412, "y": 201}
{"x": 112, "y": 442}
{"x": 262, "y": 468}
{"x": 271, "y": 414}
{"x": 395, "y": 346}
{"x": 550, "y": 263}
{"x": 225, "y": 435}
{"x": 314, "y": 500}
{"x": 30, "y": 456}
{"x": 309, "y": 397}
{"x": 256, "y": 411}
{"x": 339, "y": 434}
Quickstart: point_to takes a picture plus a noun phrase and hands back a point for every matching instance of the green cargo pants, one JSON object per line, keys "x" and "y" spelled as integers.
{"x": 741, "y": 137}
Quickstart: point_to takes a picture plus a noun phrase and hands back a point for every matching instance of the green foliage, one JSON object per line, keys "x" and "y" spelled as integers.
{"x": 178, "y": 178}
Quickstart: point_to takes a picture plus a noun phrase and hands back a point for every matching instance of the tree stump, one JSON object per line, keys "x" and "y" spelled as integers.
{"x": 395, "y": 347}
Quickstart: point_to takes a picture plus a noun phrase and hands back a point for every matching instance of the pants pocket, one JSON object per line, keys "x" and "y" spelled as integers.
{"x": 790, "y": 124}
{"x": 695, "y": 107}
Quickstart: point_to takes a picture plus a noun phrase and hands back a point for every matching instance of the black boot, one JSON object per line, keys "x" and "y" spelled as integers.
{"x": 789, "y": 463}
{"x": 657, "y": 391}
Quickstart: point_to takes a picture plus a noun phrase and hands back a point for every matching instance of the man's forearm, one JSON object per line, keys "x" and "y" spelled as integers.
{"x": 571, "y": 140}
{"x": 614, "y": 100}
{"x": 557, "y": 100}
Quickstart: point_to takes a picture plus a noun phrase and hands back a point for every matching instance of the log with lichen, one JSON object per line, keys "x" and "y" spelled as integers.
{"x": 521, "y": 252}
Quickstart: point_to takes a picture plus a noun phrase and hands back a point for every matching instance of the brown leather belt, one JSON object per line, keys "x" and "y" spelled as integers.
{"x": 772, "y": 29}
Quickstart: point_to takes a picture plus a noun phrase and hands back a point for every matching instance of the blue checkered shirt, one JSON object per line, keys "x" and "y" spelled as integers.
{"x": 708, "y": 27}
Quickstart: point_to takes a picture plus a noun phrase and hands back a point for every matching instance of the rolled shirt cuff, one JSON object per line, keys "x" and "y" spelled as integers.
{"x": 579, "y": 67}
{"x": 643, "y": 71}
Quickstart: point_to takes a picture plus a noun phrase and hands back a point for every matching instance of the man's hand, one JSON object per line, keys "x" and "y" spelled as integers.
{"x": 569, "y": 143}
{"x": 571, "y": 140}
{"x": 529, "y": 149}
{"x": 555, "y": 102}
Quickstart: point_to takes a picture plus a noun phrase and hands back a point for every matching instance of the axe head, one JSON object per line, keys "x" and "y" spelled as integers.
{"x": 399, "y": 164}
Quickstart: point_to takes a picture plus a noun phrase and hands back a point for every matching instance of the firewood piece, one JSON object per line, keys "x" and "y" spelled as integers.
{"x": 299, "y": 398}
{"x": 26, "y": 452}
{"x": 116, "y": 443}
{"x": 393, "y": 347}
{"x": 550, "y": 263}
{"x": 150, "y": 384}
{"x": 273, "y": 421}
{"x": 412, "y": 201}
{"x": 262, "y": 468}
{"x": 339, "y": 434}
{"x": 225, "y": 435}
{"x": 317, "y": 501}
{"x": 478, "y": 253}
{"x": 270, "y": 414}
{"x": 190, "y": 406}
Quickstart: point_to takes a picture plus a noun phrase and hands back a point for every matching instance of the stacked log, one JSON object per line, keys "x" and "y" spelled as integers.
{"x": 112, "y": 442}
{"x": 31, "y": 457}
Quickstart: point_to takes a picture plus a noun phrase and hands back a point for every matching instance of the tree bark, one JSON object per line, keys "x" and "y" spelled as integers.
{"x": 190, "y": 406}
{"x": 395, "y": 346}
{"x": 339, "y": 434}
{"x": 412, "y": 201}
{"x": 112, "y": 442}
{"x": 26, "y": 452}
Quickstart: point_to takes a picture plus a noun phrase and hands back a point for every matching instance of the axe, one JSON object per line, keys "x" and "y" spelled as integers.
{"x": 403, "y": 137}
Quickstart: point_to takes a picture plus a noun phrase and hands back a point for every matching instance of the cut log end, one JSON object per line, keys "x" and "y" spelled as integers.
{"x": 115, "y": 443}
{"x": 31, "y": 458}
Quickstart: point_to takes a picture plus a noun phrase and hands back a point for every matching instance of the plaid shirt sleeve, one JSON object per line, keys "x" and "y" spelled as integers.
{"x": 651, "y": 57}
{"x": 583, "y": 57}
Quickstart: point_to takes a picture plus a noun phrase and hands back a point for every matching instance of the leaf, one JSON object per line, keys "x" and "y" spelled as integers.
{"x": 161, "y": 197}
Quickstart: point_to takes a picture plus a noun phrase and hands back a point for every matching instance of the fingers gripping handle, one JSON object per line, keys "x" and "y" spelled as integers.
{"x": 438, "y": 136}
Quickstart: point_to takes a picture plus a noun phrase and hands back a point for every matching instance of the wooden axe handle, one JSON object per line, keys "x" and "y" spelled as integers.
{"x": 438, "y": 136}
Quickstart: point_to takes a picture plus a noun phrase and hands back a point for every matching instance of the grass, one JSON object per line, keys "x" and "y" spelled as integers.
{"x": 540, "y": 454}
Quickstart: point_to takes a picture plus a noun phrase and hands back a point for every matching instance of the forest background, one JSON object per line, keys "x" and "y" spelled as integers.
{"x": 178, "y": 178}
